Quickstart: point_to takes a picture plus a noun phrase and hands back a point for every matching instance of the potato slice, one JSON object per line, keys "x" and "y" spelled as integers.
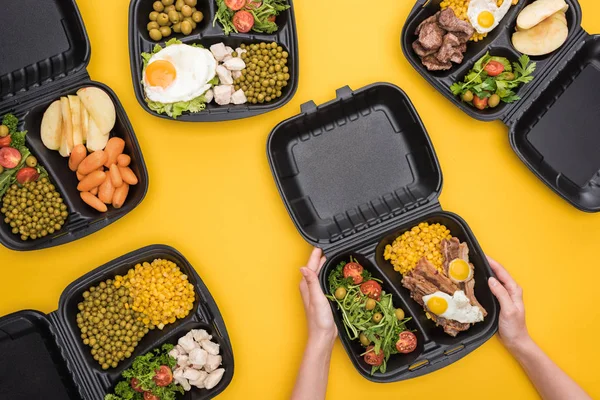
{"x": 100, "y": 107}
{"x": 67, "y": 132}
{"x": 538, "y": 11}
{"x": 51, "y": 129}
{"x": 75, "y": 105}
{"x": 85, "y": 119}
{"x": 96, "y": 140}
{"x": 544, "y": 38}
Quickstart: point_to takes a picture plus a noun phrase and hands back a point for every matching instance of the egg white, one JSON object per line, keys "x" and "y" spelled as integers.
{"x": 459, "y": 308}
{"x": 194, "y": 67}
{"x": 477, "y": 6}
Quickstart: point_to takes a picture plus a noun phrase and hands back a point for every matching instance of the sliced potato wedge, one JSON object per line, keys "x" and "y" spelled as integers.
{"x": 544, "y": 38}
{"x": 99, "y": 106}
{"x": 538, "y": 11}
{"x": 51, "y": 129}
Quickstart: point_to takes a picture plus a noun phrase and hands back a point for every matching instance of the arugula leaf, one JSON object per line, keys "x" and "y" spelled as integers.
{"x": 224, "y": 15}
{"x": 11, "y": 123}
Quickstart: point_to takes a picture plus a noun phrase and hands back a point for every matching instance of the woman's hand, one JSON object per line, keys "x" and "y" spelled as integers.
{"x": 321, "y": 326}
{"x": 511, "y": 327}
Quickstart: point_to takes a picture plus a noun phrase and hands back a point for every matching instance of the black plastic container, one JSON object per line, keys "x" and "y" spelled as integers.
{"x": 44, "y": 354}
{"x": 207, "y": 35}
{"x": 354, "y": 174}
{"x": 553, "y": 128}
{"x": 45, "y": 51}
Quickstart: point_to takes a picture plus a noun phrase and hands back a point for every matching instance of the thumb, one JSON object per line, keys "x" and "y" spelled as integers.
{"x": 312, "y": 280}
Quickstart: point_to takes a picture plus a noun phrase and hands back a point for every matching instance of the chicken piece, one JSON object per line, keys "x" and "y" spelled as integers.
{"x": 222, "y": 96}
{"x": 174, "y": 353}
{"x": 209, "y": 96}
{"x": 224, "y": 75}
{"x": 214, "y": 378}
{"x": 238, "y": 97}
{"x": 219, "y": 51}
{"x": 210, "y": 347}
{"x": 212, "y": 363}
{"x": 191, "y": 374}
{"x": 183, "y": 360}
{"x": 199, "y": 383}
{"x": 200, "y": 334}
{"x": 180, "y": 349}
{"x": 235, "y": 64}
{"x": 226, "y": 58}
{"x": 187, "y": 342}
{"x": 236, "y": 74}
{"x": 240, "y": 51}
{"x": 178, "y": 376}
{"x": 198, "y": 357}
{"x": 229, "y": 50}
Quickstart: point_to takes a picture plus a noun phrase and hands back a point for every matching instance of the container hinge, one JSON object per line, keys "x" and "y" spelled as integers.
{"x": 89, "y": 387}
{"x": 344, "y": 93}
{"x": 308, "y": 108}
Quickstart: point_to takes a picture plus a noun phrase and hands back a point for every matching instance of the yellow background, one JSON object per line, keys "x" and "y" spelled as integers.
{"x": 212, "y": 197}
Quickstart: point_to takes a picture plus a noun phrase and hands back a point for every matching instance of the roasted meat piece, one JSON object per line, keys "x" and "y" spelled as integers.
{"x": 450, "y": 22}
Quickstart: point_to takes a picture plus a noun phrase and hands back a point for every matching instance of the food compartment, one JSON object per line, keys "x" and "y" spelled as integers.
{"x": 477, "y": 333}
{"x": 32, "y": 359}
{"x": 397, "y": 363}
{"x": 563, "y": 151}
{"x": 73, "y": 295}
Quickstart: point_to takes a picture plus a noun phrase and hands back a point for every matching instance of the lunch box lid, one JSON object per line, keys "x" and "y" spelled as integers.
{"x": 43, "y": 44}
{"x": 553, "y": 127}
{"x": 354, "y": 166}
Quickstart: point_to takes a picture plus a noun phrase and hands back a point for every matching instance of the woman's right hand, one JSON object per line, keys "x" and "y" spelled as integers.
{"x": 511, "y": 326}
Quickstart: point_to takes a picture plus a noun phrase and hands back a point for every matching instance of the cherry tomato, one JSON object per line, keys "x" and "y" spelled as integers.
{"x": 150, "y": 396}
{"x": 480, "y": 103}
{"x": 372, "y": 289}
{"x": 27, "y": 174}
{"x": 135, "y": 385}
{"x": 5, "y": 141}
{"x": 407, "y": 342}
{"x": 353, "y": 270}
{"x": 163, "y": 376}
{"x": 235, "y": 4}
{"x": 253, "y": 4}
{"x": 494, "y": 68}
{"x": 9, "y": 157}
{"x": 243, "y": 21}
{"x": 373, "y": 359}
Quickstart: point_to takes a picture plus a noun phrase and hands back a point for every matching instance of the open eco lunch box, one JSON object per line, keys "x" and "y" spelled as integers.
{"x": 45, "y": 51}
{"x": 44, "y": 353}
{"x": 554, "y": 127}
{"x": 206, "y": 34}
{"x": 354, "y": 174}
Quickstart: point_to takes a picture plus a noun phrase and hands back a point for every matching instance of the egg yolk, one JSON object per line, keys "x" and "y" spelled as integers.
{"x": 485, "y": 19}
{"x": 437, "y": 305}
{"x": 459, "y": 269}
{"x": 161, "y": 73}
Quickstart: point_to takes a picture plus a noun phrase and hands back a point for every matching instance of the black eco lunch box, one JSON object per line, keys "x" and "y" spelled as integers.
{"x": 45, "y": 51}
{"x": 207, "y": 35}
{"x": 44, "y": 354}
{"x": 354, "y": 174}
{"x": 554, "y": 127}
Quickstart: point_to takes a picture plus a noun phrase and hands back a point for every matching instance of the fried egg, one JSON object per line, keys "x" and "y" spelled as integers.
{"x": 485, "y": 15}
{"x": 459, "y": 270}
{"x": 456, "y": 307}
{"x": 178, "y": 72}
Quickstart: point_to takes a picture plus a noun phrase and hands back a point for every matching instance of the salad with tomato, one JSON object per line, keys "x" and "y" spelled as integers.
{"x": 493, "y": 80}
{"x": 369, "y": 314}
{"x": 243, "y": 16}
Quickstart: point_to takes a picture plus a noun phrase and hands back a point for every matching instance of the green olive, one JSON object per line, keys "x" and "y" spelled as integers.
{"x": 179, "y": 5}
{"x": 377, "y": 317}
{"x": 186, "y": 27}
{"x": 163, "y": 19}
{"x": 186, "y": 11}
{"x": 165, "y": 31}
{"x": 399, "y": 313}
{"x": 191, "y": 3}
{"x": 170, "y": 8}
{"x": 31, "y": 161}
{"x": 340, "y": 293}
{"x": 176, "y": 27}
{"x": 153, "y": 15}
{"x": 509, "y": 76}
{"x": 370, "y": 304}
{"x": 467, "y": 96}
{"x": 168, "y": 2}
{"x": 173, "y": 17}
{"x": 155, "y": 35}
{"x": 197, "y": 16}
{"x": 158, "y": 6}
{"x": 4, "y": 131}
{"x": 152, "y": 25}
{"x": 364, "y": 340}
{"x": 493, "y": 101}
